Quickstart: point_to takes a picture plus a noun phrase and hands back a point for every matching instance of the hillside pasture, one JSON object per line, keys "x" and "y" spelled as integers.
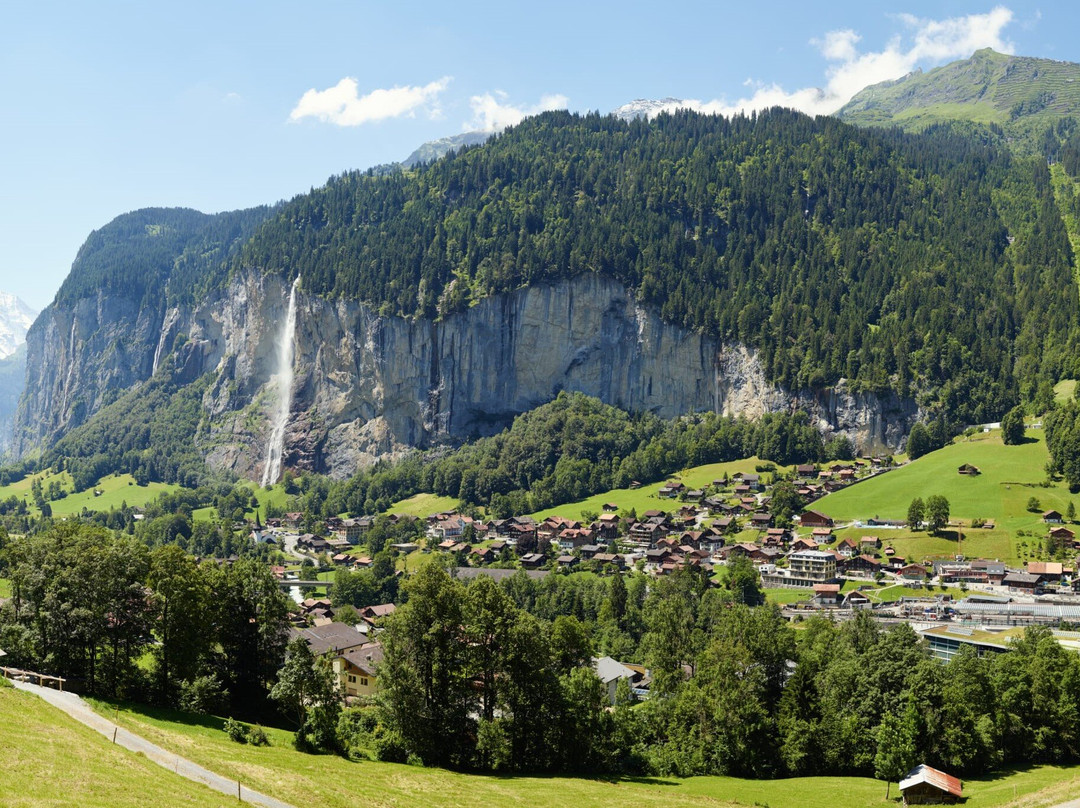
{"x": 647, "y": 496}
{"x": 1010, "y": 476}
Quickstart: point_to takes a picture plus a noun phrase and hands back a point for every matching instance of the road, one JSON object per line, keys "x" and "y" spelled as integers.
{"x": 82, "y": 712}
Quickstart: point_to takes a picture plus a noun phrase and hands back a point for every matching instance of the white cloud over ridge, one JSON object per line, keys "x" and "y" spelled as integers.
{"x": 492, "y": 112}
{"x": 343, "y": 105}
{"x": 927, "y": 42}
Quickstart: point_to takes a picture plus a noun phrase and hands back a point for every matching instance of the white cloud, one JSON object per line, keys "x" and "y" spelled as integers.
{"x": 927, "y": 43}
{"x": 493, "y": 112}
{"x": 344, "y": 106}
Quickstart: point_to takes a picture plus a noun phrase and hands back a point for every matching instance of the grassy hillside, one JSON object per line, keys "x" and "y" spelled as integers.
{"x": 50, "y": 760}
{"x": 989, "y": 87}
{"x": 1010, "y": 476}
{"x": 646, "y": 498}
{"x": 115, "y": 490}
{"x": 280, "y": 771}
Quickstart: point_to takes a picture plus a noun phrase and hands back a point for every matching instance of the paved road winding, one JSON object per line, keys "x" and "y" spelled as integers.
{"x": 82, "y": 712}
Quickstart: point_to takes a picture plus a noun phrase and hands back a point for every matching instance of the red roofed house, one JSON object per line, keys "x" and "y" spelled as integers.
{"x": 927, "y": 786}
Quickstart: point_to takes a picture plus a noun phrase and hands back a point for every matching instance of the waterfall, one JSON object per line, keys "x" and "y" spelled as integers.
{"x": 165, "y": 323}
{"x": 275, "y": 448}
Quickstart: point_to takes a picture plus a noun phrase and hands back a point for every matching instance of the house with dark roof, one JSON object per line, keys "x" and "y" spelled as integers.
{"x": 815, "y": 519}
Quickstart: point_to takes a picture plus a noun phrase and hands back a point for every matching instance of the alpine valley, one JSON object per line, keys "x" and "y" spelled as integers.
{"x": 663, "y": 262}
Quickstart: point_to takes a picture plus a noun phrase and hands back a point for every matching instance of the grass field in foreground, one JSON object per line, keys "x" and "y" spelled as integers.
{"x": 325, "y": 780}
{"x": 51, "y": 760}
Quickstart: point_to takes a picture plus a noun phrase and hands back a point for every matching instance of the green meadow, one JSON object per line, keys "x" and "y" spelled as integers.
{"x": 423, "y": 505}
{"x": 115, "y": 490}
{"x": 647, "y": 497}
{"x": 334, "y": 782}
{"x": 51, "y": 760}
{"x": 1010, "y": 476}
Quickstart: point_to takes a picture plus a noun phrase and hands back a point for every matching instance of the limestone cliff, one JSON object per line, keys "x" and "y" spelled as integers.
{"x": 369, "y": 386}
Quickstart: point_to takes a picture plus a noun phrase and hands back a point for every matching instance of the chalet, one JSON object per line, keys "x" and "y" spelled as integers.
{"x": 847, "y": 548}
{"x": 567, "y": 561}
{"x": 531, "y": 561}
{"x": 372, "y": 614}
{"x": 609, "y": 526}
{"x": 1048, "y": 571}
{"x": 725, "y": 524}
{"x": 610, "y": 507}
{"x": 611, "y": 672}
{"x": 826, "y": 594}
{"x": 312, "y": 544}
{"x": 752, "y": 481}
{"x": 803, "y": 543}
{"x": 821, "y": 534}
{"x": 968, "y": 470}
{"x": 1022, "y": 581}
{"x": 1062, "y": 534}
{"x": 912, "y": 572}
{"x": 869, "y": 543}
{"x": 926, "y": 786}
{"x": 806, "y": 471}
{"x": 867, "y": 565}
{"x": 815, "y": 519}
{"x": 714, "y": 504}
{"x": 292, "y": 520}
{"x": 846, "y": 475}
{"x": 609, "y": 558}
{"x": 569, "y": 538}
{"x": 589, "y": 550}
{"x": 761, "y": 520}
{"x": 857, "y": 599}
{"x": 331, "y": 638}
{"x": 481, "y": 555}
{"x": 356, "y": 669}
{"x": 774, "y": 537}
{"x": 1052, "y": 517}
{"x": 695, "y": 496}
{"x": 671, "y": 490}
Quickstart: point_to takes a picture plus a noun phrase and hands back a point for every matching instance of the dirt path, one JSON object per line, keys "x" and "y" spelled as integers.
{"x": 78, "y": 709}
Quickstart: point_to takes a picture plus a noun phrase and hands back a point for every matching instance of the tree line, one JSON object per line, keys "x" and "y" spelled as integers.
{"x": 89, "y": 604}
{"x": 474, "y": 680}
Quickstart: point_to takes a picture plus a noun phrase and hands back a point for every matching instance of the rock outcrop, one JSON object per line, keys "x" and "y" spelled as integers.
{"x": 369, "y": 386}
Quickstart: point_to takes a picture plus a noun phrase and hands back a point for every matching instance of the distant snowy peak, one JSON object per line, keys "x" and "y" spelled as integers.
{"x": 15, "y": 318}
{"x": 648, "y": 107}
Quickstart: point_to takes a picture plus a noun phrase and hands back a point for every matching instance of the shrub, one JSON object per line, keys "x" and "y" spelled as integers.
{"x": 257, "y": 736}
{"x": 203, "y": 695}
{"x": 389, "y": 747}
{"x": 236, "y": 730}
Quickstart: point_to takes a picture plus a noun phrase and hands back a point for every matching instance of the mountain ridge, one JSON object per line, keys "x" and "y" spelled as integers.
{"x": 988, "y": 88}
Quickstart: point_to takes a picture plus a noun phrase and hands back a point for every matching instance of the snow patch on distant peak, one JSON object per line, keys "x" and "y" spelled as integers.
{"x": 649, "y": 107}
{"x": 15, "y": 318}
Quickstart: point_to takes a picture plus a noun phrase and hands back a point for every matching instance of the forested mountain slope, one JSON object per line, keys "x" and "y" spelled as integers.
{"x": 685, "y": 263}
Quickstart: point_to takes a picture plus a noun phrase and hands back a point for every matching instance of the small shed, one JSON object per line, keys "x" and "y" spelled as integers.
{"x": 925, "y": 785}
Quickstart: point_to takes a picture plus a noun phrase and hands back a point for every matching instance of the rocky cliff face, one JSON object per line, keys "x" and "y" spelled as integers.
{"x": 369, "y": 386}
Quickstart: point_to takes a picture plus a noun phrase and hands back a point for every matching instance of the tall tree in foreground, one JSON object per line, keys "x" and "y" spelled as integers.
{"x": 425, "y": 672}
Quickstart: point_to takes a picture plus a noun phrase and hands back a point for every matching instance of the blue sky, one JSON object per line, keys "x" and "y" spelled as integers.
{"x": 112, "y": 106}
